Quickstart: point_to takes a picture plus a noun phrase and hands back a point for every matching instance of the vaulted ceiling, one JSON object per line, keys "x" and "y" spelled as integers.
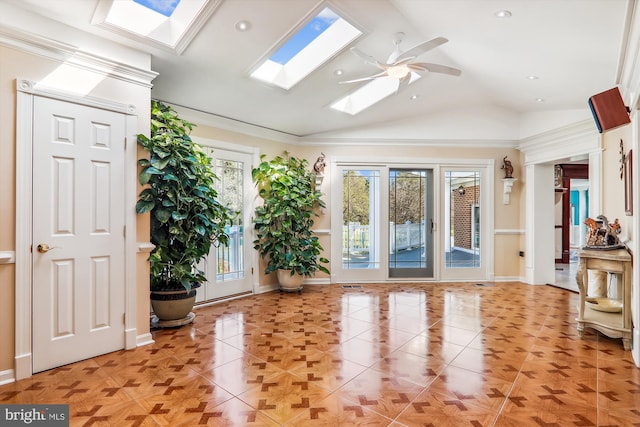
{"x": 545, "y": 60}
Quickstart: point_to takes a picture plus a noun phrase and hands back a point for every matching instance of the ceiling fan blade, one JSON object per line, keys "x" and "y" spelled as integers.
{"x": 434, "y": 68}
{"x": 364, "y": 79}
{"x": 368, "y": 59}
{"x": 422, "y": 48}
{"x": 404, "y": 81}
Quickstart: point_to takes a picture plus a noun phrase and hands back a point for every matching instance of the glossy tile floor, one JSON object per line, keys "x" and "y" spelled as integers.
{"x": 565, "y": 276}
{"x": 382, "y": 355}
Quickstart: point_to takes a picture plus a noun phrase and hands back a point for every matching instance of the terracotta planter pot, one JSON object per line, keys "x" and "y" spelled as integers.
{"x": 288, "y": 282}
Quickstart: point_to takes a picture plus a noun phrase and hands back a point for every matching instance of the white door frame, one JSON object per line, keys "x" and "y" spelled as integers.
{"x": 487, "y": 166}
{"x": 249, "y": 197}
{"x": 26, "y": 90}
{"x": 486, "y": 271}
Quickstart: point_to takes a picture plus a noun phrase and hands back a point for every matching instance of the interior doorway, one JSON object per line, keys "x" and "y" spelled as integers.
{"x": 571, "y": 209}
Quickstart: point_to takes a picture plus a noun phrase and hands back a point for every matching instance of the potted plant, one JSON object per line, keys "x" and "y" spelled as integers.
{"x": 186, "y": 217}
{"x": 284, "y": 222}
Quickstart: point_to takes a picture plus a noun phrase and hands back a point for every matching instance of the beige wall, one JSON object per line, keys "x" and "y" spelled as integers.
{"x": 612, "y": 185}
{"x": 506, "y": 217}
{"x": 17, "y": 64}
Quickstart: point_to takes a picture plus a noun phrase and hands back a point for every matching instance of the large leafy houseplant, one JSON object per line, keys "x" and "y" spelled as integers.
{"x": 186, "y": 217}
{"x": 284, "y": 222}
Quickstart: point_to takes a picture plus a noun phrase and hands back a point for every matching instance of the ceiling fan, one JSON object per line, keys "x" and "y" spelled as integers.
{"x": 399, "y": 64}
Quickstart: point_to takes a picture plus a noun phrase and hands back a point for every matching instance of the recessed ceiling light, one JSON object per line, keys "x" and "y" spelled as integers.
{"x": 539, "y": 99}
{"x": 414, "y": 96}
{"x": 532, "y": 77}
{"x": 243, "y": 25}
{"x": 502, "y": 14}
{"x": 338, "y": 72}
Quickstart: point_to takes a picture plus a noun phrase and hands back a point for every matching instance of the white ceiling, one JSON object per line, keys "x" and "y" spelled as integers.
{"x": 575, "y": 47}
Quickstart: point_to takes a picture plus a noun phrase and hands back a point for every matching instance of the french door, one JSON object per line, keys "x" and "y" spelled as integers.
{"x": 357, "y": 224}
{"x": 463, "y": 230}
{"x": 385, "y": 223}
{"x": 411, "y": 223}
{"x": 227, "y": 268}
{"x": 401, "y": 221}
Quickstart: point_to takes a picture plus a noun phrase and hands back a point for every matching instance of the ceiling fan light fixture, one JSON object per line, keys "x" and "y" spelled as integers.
{"x": 398, "y": 71}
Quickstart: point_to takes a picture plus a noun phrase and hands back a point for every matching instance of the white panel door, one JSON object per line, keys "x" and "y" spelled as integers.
{"x": 78, "y": 232}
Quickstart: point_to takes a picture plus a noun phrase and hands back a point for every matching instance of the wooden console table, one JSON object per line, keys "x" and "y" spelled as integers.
{"x": 612, "y": 324}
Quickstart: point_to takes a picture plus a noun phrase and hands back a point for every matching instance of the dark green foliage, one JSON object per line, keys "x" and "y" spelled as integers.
{"x": 284, "y": 222}
{"x": 186, "y": 218}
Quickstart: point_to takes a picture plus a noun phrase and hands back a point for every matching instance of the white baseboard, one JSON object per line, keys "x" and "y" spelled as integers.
{"x": 144, "y": 339}
{"x": 635, "y": 346}
{"x": 22, "y": 366}
{"x": 8, "y": 376}
{"x": 314, "y": 281}
{"x": 265, "y": 289}
{"x": 130, "y": 338}
{"x": 509, "y": 279}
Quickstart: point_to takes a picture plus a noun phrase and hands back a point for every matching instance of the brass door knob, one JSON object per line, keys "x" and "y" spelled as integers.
{"x": 43, "y": 247}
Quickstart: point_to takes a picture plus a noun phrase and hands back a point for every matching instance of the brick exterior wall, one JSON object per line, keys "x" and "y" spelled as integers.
{"x": 461, "y": 216}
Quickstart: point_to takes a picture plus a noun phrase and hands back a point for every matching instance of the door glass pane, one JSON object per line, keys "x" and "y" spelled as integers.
{"x": 360, "y": 219}
{"x": 410, "y": 254}
{"x": 230, "y": 260}
{"x": 462, "y": 242}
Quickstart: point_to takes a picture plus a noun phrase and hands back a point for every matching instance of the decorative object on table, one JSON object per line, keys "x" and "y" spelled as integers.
{"x": 284, "y": 222}
{"x": 603, "y": 235}
{"x": 508, "y": 167}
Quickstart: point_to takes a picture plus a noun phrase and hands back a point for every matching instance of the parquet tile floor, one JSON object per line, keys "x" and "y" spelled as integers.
{"x": 403, "y": 354}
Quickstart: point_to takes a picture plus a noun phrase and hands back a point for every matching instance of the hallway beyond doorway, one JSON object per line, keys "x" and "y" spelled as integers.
{"x": 566, "y": 276}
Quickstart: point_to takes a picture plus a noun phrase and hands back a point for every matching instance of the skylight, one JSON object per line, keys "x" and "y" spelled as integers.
{"x": 164, "y": 7}
{"x": 168, "y": 24}
{"x": 374, "y": 91}
{"x": 324, "y": 35}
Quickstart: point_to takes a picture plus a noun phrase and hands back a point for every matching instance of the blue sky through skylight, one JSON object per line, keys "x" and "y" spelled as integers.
{"x": 323, "y": 36}
{"x": 306, "y": 35}
{"x": 164, "y": 7}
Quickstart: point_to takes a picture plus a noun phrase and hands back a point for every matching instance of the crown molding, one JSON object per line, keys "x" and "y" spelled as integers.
{"x": 571, "y": 141}
{"x": 461, "y": 143}
{"x": 628, "y": 72}
{"x": 72, "y": 55}
{"x": 232, "y": 125}
{"x": 32, "y": 88}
